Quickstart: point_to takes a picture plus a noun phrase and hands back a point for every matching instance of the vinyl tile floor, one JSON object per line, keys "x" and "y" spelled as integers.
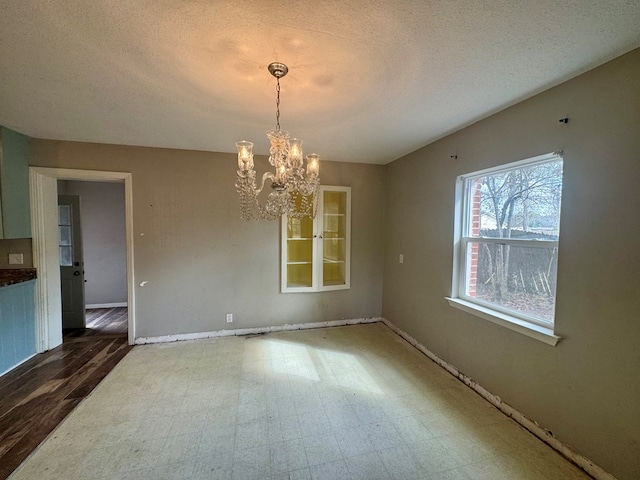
{"x": 353, "y": 402}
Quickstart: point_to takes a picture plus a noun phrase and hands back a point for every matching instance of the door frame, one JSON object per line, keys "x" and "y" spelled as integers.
{"x": 43, "y": 188}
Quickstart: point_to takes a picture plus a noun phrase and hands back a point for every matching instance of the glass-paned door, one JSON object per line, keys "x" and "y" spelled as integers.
{"x": 334, "y": 238}
{"x": 300, "y": 252}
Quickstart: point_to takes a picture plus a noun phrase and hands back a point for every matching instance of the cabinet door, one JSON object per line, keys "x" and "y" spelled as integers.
{"x": 316, "y": 252}
{"x": 335, "y": 231}
{"x": 298, "y": 253}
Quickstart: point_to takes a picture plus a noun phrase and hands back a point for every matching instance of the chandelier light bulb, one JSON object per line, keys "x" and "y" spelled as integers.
{"x": 245, "y": 155}
{"x": 313, "y": 165}
{"x": 295, "y": 152}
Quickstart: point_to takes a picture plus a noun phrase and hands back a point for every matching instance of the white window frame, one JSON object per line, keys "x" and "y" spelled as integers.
{"x": 520, "y": 322}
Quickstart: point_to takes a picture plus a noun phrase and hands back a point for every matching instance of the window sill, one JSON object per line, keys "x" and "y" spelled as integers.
{"x": 537, "y": 332}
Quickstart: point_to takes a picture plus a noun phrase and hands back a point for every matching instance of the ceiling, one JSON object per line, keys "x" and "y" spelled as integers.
{"x": 369, "y": 81}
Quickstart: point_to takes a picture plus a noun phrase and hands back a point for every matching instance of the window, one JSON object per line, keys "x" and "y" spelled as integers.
{"x": 506, "y": 245}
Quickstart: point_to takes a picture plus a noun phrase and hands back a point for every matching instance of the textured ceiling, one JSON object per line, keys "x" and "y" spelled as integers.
{"x": 369, "y": 81}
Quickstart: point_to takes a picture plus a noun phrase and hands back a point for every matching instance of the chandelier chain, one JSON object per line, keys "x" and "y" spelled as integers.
{"x": 278, "y": 103}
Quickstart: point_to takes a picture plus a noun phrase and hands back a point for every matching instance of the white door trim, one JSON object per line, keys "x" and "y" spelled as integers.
{"x": 43, "y": 190}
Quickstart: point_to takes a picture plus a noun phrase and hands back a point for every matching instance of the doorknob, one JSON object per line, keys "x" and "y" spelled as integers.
{"x": 76, "y": 273}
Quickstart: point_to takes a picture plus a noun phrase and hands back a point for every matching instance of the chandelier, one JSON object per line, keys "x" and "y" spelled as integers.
{"x": 292, "y": 192}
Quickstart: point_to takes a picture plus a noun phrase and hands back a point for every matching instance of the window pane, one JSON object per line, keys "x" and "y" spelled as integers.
{"x": 65, "y": 235}
{"x": 66, "y": 256}
{"x": 521, "y": 279}
{"x": 334, "y": 249}
{"x": 300, "y": 250}
{"x": 300, "y": 227}
{"x": 333, "y": 273}
{"x": 64, "y": 214}
{"x": 335, "y": 202}
{"x": 516, "y": 203}
{"x": 299, "y": 274}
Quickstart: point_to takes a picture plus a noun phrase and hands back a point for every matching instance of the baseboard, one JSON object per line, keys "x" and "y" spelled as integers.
{"x": 253, "y": 331}
{"x": 105, "y": 305}
{"x": 18, "y": 364}
{"x": 546, "y": 436}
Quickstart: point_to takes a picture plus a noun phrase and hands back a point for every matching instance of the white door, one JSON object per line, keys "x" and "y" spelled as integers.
{"x": 71, "y": 262}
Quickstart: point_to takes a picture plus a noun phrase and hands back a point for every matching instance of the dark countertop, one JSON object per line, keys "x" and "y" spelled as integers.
{"x": 10, "y": 276}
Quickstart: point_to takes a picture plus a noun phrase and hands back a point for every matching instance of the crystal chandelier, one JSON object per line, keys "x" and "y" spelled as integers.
{"x": 292, "y": 192}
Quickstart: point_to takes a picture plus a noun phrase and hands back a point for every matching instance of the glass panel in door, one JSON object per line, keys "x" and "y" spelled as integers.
{"x": 66, "y": 241}
{"x": 334, "y": 238}
{"x": 300, "y": 252}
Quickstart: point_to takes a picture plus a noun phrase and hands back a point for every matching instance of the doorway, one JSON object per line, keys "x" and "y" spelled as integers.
{"x": 93, "y": 260}
{"x": 44, "y": 191}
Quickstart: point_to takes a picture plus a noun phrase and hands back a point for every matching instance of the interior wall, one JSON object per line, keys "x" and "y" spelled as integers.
{"x": 195, "y": 260}
{"x": 14, "y": 185}
{"x": 103, "y": 238}
{"x": 16, "y": 245}
{"x": 584, "y": 389}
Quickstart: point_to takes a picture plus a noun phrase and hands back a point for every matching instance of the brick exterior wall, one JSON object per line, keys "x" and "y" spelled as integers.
{"x": 472, "y": 280}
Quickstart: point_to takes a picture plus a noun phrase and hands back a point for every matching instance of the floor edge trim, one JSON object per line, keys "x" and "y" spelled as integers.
{"x": 253, "y": 331}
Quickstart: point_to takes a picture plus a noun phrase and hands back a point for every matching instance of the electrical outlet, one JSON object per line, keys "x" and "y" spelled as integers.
{"x": 229, "y": 317}
{"x": 401, "y": 258}
{"x": 16, "y": 259}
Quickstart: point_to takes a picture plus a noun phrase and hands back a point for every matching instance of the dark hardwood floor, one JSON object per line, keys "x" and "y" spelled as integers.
{"x": 36, "y": 396}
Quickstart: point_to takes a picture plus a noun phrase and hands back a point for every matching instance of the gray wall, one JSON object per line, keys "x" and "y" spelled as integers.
{"x": 201, "y": 261}
{"x": 103, "y": 239}
{"x": 14, "y": 185}
{"x": 585, "y": 390}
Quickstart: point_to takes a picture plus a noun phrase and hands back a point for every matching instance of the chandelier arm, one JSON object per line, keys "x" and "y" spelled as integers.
{"x": 266, "y": 175}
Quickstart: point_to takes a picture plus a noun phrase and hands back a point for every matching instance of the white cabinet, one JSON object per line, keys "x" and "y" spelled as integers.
{"x": 316, "y": 253}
